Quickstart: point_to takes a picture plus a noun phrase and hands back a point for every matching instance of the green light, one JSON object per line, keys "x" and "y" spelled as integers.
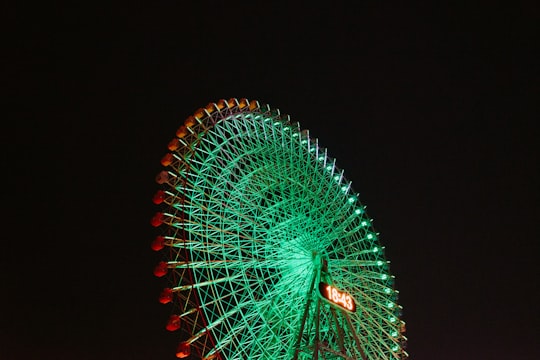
{"x": 236, "y": 224}
{"x": 395, "y": 348}
{"x": 392, "y": 319}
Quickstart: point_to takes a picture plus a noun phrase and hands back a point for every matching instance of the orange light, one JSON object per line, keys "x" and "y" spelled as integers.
{"x": 174, "y": 144}
{"x": 190, "y": 121}
{"x": 183, "y": 351}
{"x": 181, "y": 132}
{"x": 199, "y": 114}
{"x": 242, "y": 103}
{"x": 337, "y": 297}
{"x": 167, "y": 159}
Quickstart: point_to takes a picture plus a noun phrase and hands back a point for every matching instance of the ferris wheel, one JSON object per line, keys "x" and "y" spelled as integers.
{"x": 267, "y": 251}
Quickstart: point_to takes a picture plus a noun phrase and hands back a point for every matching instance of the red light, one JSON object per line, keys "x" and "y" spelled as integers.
{"x": 166, "y": 296}
{"x": 157, "y": 219}
{"x": 167, "y": 159}
{"x": 174, "y": 323}
{"x": 161, "y": 269}
{"x": 158, "y": 243}
{"x": 159, "y": 197}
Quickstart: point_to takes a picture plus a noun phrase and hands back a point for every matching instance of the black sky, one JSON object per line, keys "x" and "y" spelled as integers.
{"x": 431, "y": 109}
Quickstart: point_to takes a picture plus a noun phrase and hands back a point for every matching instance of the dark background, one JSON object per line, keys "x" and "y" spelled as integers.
{"x": 431, "y": 109}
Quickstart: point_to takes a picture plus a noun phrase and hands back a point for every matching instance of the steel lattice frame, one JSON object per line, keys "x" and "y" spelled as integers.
{"x": 252, "y": 206}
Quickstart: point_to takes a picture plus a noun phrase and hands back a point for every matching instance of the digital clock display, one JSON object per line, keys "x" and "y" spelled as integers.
{"x": 337, "y": 297}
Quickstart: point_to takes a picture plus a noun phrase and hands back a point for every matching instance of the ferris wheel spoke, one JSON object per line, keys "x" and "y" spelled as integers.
{"x": 369, "y": 251}
{"x": 351, "y": 263}
{"x": 227, "y": 337}
{"x": 211, "y": 326}
{"x": 233, "y": 211}
{"x": 283, "y": 290}
{"x": 201, "y": 245}
{"x": 226, "y": 340}
{"x": 366, "y": 335}
{"x": 375, "y": 316}
{"x": 226, "y": 264}
{"x": 206, "y": 283}
{"x": 247, "y": 329}
{"x": 381, "y": 343}
{"x": 224, "y": 297}
{"x": 381, "y": 315}
{"x": 366, "y": 274}
{"x": 360, "y": 283}
{"x": 199, "y": 202}
{"x": 276, "y": 329}
{"x": 198, "y": 222}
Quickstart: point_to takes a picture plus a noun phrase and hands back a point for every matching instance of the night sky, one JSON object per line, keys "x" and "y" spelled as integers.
{"x": 431, "y": 110}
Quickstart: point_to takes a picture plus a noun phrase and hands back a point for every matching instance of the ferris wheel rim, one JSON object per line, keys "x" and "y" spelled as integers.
{"x": 187, "y": 175}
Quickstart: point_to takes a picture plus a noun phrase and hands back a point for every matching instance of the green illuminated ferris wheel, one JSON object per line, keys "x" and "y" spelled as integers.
{"x": 268, "y": 253}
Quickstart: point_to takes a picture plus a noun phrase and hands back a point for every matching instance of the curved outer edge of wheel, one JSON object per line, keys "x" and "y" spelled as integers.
{"x": 203, "y": 120}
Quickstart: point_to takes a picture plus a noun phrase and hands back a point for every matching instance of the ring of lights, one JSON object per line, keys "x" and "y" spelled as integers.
{"x": 254, "y": 212}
